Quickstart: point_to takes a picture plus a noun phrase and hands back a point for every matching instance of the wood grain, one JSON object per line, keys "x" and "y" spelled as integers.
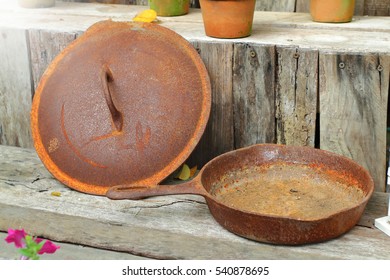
{"x": 219, "y": 135}
{"x": 378, "y": 205}
{"x": 45, "y": 45}
{"x": 276, "y": 5}
{"x": 296, "y": 97}
{"x": 139, "y": 2}
{"x": 15, "y": 88}
{"x": 254, "y": 94}
{"x": 377, "y": 7}
{"x": 193, "y": 3}
{"x": 362, "y": 7}
{"x": 357, "y": 86}
{"x": 359, "y": 7}
{"x": 166, "y": 227}
{"x": 302, "y": 6}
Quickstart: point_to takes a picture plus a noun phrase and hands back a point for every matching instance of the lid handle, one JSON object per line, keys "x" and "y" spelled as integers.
{"x": 116, "y": 115}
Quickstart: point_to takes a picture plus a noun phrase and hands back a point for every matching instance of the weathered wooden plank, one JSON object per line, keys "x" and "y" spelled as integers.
{"x": 131, "y": 2}
{"x": 253, "y": 94}
{"x": 353, "y": 104}
{"x": 378, "y": 205}
{"x": 362, "y": 7}
{"x": 193, "y": 3}
{"x": 166, "y": 227}
{"x": 45, "y": 45}
{"x": 68, "y": 252}
{"x": 276, "y": 5}
{"x": 296, "y": 96}
{"x": 15, "y": 88}
{"x": 359, "y": 7}
{"x": 139, "y": 2}
{"x": 302, "y": 6}
{"x": 377, "y": 7}
{"x": 269, "y": 27}
{"x": 219, "y": 135}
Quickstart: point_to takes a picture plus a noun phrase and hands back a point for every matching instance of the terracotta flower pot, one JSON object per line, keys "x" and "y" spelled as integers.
{"x": 332, "y": 10}
{"x": 168, "y": 8}
{"x": 228, "y": 18}
{"x": 36, "y": 3}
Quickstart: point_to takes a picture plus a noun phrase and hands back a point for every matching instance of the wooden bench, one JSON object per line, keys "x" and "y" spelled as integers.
{"x": 166, "y": 227}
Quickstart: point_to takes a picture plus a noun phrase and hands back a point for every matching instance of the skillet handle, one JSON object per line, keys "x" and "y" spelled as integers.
{"x": 134, "y": 192}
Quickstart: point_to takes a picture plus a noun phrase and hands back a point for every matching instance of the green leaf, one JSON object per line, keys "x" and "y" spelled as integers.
{"x": 25, "y": 252}
{"x": 32, "y": 248}
{"x": 185, "y": 173}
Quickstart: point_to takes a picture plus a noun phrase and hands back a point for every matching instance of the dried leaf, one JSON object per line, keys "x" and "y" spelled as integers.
{"x": 55, "y": 193}
{"x": 193, "y": 171}
{"x": 146, "y": 16}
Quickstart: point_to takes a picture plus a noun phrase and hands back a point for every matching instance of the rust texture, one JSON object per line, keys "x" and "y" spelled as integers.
{"x": 238, "y": 170}
{"x": 125, "y": 103}
{"x": 283, "y": 228}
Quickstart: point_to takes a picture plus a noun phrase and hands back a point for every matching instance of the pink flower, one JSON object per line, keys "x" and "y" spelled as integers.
{"x": 48, "y": 247}
{"x": 17, "y": 236}
{"x": 30, "y": 246}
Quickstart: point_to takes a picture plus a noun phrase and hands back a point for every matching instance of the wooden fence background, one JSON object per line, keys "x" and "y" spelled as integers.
{"x": 363, "y": 7}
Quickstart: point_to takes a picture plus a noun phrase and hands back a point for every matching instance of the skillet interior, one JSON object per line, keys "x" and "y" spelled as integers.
{"x": 305, "y": 194}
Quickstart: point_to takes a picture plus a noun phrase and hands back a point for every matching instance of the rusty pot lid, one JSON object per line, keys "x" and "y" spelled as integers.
{"x": 125, "y": 103}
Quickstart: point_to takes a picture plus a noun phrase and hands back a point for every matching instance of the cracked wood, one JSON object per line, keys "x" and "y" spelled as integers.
{"x": 15, "y": 88}
{"x": 253, "y": 94}
{"x": 296, "y": 96}
{"x": 357, "y": 86}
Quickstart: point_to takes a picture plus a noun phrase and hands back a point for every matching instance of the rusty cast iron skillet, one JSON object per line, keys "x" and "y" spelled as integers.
{"x": 277, "y": 229}
{"x": 125, "y": 103}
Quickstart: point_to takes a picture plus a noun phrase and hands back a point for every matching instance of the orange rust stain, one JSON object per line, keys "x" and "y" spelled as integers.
{"x": 103, "y": 137}
{"x": 142, "y": 137}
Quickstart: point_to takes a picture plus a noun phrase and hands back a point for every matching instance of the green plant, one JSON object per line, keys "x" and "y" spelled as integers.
{"x": 30, "y": 247}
